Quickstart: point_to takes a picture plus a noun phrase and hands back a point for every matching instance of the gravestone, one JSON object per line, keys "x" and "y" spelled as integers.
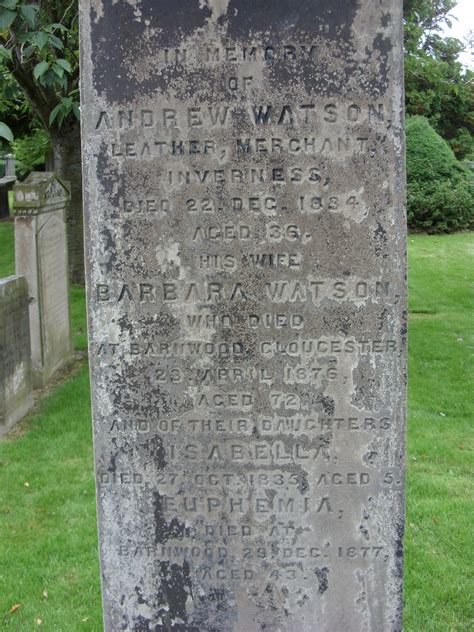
{"x": 7, "y": 181}
{"x": 245, "y": 236}
{"x": 15, "y": 352}
{"x": 41, "y": 256}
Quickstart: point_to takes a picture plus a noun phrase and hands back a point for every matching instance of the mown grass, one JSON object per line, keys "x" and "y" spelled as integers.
{"x": 48, "y": 542}
{"x": 440, "y": 489}
{"x": 47, "y": 527}
{"x": 7, "y": 249}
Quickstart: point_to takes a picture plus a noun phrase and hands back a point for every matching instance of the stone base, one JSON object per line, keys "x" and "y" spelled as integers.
{"x": 12, "y": 417}
{"x": 42, "y": 376}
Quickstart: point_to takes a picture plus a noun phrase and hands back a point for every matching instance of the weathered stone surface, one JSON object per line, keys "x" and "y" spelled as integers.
{"x": 41, "y": 256}
{"x": 15, "y": 352}
{"x": 245, "y": 233}
{"x": 7, "y": 180}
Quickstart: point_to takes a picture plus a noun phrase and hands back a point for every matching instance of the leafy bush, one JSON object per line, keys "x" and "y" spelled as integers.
{"x": 463, "y": 144}
{"x": 440, "y": 196}
{"x": 30, "y": 151}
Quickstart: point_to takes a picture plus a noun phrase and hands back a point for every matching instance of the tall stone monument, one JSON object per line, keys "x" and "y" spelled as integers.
{"x": 39, "y": 205}
{"x": 245, "y": 234}
{"x": 16, "y": 397}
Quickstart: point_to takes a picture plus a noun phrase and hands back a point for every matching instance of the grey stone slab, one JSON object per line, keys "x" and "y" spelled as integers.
{"x": 245, "y": 235}
{"x": 6, "y": 183}
{"x": 16, "y": 397}
{"x": 41, "y": 256}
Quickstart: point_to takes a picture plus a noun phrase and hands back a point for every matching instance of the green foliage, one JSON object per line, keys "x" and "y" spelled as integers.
{"x": 5, "y": 132}
{"x": 39, "y": 48}
{"x": 63, "y": 109}
{"x": 463, "y": 144}
{"x": 440, "y": 192}
{"x": 424, "y": 20}
{"x": 14, "y": 112}
{"x": 428, "y": 155}
{"x": 443, "y": 93}
{"x": 436, "y": 84}
{"x": 30, "y": 151}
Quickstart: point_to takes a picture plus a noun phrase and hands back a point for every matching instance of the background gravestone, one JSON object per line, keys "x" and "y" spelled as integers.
{"x": 7, "y": 180}
{"x": 245, "y": 235}
{"x": 41, "y": 256}
{"x": 15, "y": 352}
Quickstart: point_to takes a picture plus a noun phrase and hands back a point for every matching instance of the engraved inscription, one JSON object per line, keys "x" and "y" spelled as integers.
{"x": 246, "y": 288}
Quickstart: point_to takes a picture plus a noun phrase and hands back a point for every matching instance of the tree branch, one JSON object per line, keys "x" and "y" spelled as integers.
{"x": 35, "y": 95}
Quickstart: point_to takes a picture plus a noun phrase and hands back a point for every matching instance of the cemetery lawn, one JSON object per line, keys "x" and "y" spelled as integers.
{"x": 7, "y": 249}
{"x": 49, "y": 575}
{"x": 440, "y": 486}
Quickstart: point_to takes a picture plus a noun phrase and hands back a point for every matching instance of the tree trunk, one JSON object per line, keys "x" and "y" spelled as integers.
{"x": 67, "y": 165}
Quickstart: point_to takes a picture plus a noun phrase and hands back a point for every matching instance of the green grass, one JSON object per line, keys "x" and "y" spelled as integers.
{"x": 48, "y": 556}
{"x": 7, "y": 249}
{"x": 440, "y": 490}
{"x": 78, "y": 317}
{"x": 48, "y": 532}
